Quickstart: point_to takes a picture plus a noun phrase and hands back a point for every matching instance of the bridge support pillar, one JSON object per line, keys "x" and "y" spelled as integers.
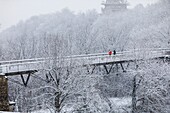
{"x": 4, "y": 103}
{"x": 108, "y": 70}
{"x": 122, "y": 67}
{"x": 91, "y": 70}
{"x": 27, "y": 79}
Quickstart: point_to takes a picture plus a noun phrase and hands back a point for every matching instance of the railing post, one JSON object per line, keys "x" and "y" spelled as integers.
{"x": 18, "y": 67}
{"x": 0, "y": 69}
{"x": 6, "y": 69}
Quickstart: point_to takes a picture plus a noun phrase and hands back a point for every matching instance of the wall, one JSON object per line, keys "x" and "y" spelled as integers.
{"x": 4, "y": 104}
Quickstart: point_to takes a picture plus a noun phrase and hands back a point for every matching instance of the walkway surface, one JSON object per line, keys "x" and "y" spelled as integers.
{"x": 15, "y": 67}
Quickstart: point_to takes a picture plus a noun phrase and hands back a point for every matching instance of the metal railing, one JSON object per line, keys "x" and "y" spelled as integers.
{"x": 85, "y": 59}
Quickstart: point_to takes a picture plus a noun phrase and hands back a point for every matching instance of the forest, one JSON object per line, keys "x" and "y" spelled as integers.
{"x": 145, "y": 89}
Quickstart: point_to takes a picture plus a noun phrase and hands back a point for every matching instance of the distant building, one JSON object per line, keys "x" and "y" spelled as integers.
{"x": 111, "y": 6}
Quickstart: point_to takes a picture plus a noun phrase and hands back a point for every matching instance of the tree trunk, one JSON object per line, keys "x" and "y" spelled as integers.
{"x": 57, "y": 103}
{"x": 134, "y": 95}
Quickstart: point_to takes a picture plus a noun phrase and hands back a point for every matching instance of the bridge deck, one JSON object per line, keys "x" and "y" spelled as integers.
{"x": 16, "y": 67}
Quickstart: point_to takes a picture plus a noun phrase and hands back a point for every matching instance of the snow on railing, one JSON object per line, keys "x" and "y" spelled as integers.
{"x": 85, "y": 59}
{"x": 17, "y": 67}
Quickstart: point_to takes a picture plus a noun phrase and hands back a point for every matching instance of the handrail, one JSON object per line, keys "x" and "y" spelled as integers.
{"x": 85, "y": 59}
{"x": 85, "y": 55}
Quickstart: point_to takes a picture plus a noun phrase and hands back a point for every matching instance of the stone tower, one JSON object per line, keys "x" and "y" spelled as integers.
{"x": 111, "y": 6}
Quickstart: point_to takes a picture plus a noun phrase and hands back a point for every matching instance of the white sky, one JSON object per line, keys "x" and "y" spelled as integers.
{"x": 13, "y": 11}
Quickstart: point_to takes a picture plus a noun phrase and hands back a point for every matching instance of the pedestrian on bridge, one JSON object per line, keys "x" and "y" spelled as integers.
{"x": 114, "y": 52}
{"x": 110, "y": 52}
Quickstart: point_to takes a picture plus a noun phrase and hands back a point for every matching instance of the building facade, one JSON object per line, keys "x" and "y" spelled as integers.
{"x": 111, "y": 6}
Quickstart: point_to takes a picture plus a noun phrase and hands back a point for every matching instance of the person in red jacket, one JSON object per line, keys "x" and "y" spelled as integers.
{"x": 110, "y": 52}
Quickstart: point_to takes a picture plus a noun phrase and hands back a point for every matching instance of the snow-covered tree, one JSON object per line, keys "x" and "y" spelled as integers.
{"x": 151, "y": 89}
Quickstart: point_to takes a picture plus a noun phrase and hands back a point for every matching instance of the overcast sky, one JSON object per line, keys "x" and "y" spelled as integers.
{"x": 12, "y": 11}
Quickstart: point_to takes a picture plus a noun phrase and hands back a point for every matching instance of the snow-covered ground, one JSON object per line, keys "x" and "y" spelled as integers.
{"x": 40, "y": 111}
{"x": 8, "y": 112}
{"x": 119, "y": 106}
{"x": 120, "y": 102}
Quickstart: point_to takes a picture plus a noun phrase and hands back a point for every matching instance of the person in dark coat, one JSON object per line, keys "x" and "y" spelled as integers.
{"x": 114, "y": 52}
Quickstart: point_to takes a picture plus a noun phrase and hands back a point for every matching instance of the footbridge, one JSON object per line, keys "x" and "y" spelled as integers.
{"x": 29, "y": 66}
